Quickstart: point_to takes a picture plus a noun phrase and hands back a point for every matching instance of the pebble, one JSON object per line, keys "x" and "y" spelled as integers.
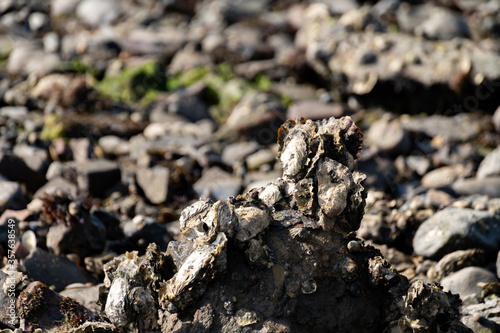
{"x": 57, "y": 185}
{"x": 11, "y": 196}
{"x": 470, "y": 186}
{"x": 444, "y": 176}
{"x": 388, "y": 136}
{"x": 54, "y": 270}
{"x": 154, "y": 182}
{"x": 238, "y": 151}
{"x": 260, "y": 158}
{"x": 457, "y": 229}
{"x": 218, "y": 184}
{"x": 490, "y": 166}
{"x": 452, "y": 129}
{"x": 443, "y": 24}
{"x": 464, "y": 282}
{"x": 496, "y": 120}
{"x": 111, "y": 144}
{"x": 87, "y": 296}
{"x": 96, "y": 12}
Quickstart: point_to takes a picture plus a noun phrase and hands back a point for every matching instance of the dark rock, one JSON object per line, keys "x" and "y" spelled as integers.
{"x": 15, "y": 169}
{"x": 11, "y": 196}
{"x": 315, "y": 110}
{"x": 457, "y": 229}
{"x": 40, "y": 307}
{"x": 218, "y": 184}
{"x": 54, "y": 270}
{"x": 464, "y": 282}
{"x": 488, "y": 186}
{"x": 490, "y": 166}
{"x": 184, "y": 102}
{"x": 8, "y": 313}
{"x": 98, "y": 176}
{"x": 154, "y": 182}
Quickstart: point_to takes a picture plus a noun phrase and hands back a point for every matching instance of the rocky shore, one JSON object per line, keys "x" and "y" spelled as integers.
{"x": 146, "y": 186}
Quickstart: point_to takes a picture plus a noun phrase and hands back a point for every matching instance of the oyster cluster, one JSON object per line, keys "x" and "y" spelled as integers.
{"x": 280, "y": 258}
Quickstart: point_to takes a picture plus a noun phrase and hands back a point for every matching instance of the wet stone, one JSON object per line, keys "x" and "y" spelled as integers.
{"x": 54, "y": 270}
{"x": 464, "y": 282}
{"x": 453, "y": 229}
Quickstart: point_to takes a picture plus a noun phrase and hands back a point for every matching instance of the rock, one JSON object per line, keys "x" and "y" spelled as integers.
{"x": 95, "y": 13}
{"x": 464, "y": 282}
{"x": 154, "y": 182}
{"x": 186, "y": 103}
{"x": 54, "y": 270}
{"x": 8, "y": 313}
{"x": 218, "y": 184}
{"x": 83, "y": 294}
{"x": 482, "y": 317}
{"x": 16, "y": 113}
{"x": 496, "y": 120}
{"x": 260, "y": 158}
{"x": 63, "y": 7}
{"x": 81, "y": 148}
{"x": 443, "y": 24}
{"x": 444, "y": 176}
{"x": 39, "y": 307}
{"x": 37, "y": 159}
{"x": 456, "y": 229}
{"x": 315, "y": 110}
{"x": 237, "y": 152}
{"x": 97, "y": 176}
{"x": 456, "y": 261}
{"x": 488, "y": 186}
{"x": 57, "y": 185}
{"x": 388, "y": 136}
{"x": 29, "y": 58}
{"x": 11, "y": 196}
{"x": 113, "y": 145}
{"x": 457, "y": 128}
{"x": 16, "y": 170}
{"x": 490, "y": 166}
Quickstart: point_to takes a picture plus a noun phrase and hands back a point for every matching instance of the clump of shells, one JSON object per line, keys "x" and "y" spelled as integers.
{"x": 282, "y": 258}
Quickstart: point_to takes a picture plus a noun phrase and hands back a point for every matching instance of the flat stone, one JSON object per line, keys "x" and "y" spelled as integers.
{"x": 490, "y": 165}
{"x": 111, "y": 144}
{"x": 260, "y": 158}
{"x": 97, "y": 176}
{"x": 57, "y": 184}
{"x": 11, "y": 196}
{"x": 17, "y": 113}
{"x": 388, "y": 136}
{"x": 54, "y": 270}
{"x": 464, "y": 282}
{"x": 488, "y": 186}
{"x": 457, "y": 128}
{"x": 154, "y": 182}
{"x": 444, "y": 176}
{"x": 37, "y": 159}
{"x": 218, "y": 184}
{"x": 457, "y": 229}
{"x": 85, "y": 295}
{"x": 238, "y": 151}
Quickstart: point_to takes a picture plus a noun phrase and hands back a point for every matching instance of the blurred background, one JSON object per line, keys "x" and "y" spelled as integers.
{"x": 130, "y": 110}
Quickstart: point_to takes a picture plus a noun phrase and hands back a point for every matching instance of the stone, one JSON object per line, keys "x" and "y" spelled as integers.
{"x": 16, "y": 113}
{"x": 81, "y": 148}
{"x": 41, "y": 308}
{"x": 488, "y": 186}
{"x": 113, "y": 145}
{"x": 260, "y": 158}
{"x": 37, "y": 159}
{"x": 218, "y": 184}
{"x": 388, "y": 136}
{"x": 444, "y": 176}
{"x": 495, "y": 119}
{"x": 456, "y": 261}
{"x": 464, "y": 282}
{"x": 98, "y": 176}
{"x": 57, "y": 185}
{"x": 238, "y": 151}
{"x": 15, "y": 169}
{"x": 315, "y": 110}
{"x": 482, "y": 317}
{"x": 490, "y": 165}
{"x": 11, "y": 196}
{"x": 443, "y": 24}
{"x": 87, "y": 296}
{"x": 96, "y": 13}
{"x": 54, "y": 270}
{"x": 452, "y": 129}
{"x": 457, "y": 229}
{"x": 154, "y": 182}
{"x": 29, "y": 58}
{"x": 8, "y": 313}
